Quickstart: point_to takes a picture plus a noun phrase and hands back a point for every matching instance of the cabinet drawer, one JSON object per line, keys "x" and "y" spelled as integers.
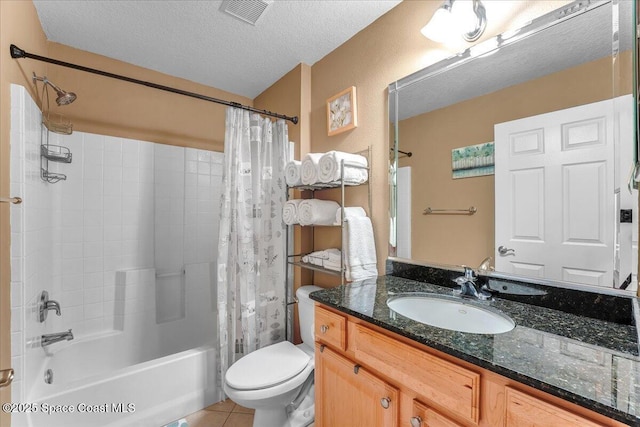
{"x": 522, "y": 409}
{"x": 423, "y": 416}
{"x": 439, "y": 381}
{"x": 330, "y": 328}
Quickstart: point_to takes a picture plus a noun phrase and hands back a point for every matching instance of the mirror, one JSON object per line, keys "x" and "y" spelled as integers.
{"x": 522, "y": 149}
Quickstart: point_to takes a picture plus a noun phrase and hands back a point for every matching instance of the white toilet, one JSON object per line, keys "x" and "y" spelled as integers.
{"x": 277, "y": 380}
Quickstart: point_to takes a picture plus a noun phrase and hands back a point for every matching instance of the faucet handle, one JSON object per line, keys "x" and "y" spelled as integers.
{"x": 469, "y": 273}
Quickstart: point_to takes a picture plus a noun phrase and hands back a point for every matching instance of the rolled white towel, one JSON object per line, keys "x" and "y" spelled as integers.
{"x": 351, "y": 211}
{"x": 292, "y": 173}
{"x": 317, "y": 212}
{"x": 309, "y": 168}
{"x": 290, "y": 211}
{"x": 329, "y": 167}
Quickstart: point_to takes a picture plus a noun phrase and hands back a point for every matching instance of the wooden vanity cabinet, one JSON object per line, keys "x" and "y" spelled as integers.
{"x": 348, "y": 395}
{"x": 367, "y": 376}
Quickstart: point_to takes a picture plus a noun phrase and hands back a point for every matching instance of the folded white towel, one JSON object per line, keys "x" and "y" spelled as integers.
{"x": 351, "y": 211}
{"x": 360, "y": 252}
{"x": 315, "y": 258}
{"x": 290, "y": 211}
{"x": 333, "y": 255}
{"x": 329, "y": 167}
{"x": 309, "y": 168}
{"x": 292, "y": 173}
{"x": 317, "y": 212}
{"x": 335, "y": 266}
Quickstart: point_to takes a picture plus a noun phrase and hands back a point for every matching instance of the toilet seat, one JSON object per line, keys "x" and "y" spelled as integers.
{"x": 267, "y": 367}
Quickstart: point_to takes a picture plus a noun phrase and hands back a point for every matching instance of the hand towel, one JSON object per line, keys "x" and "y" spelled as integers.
{"x": 334, "y": 259}
{"x": 329, "y": 167}
{"x": 317, "y": 212}
{"x": 351, "y": 211}
{"x": 309, "y": 168}
{"x": 360, "y": 252}
{"x": 290, "y": 211}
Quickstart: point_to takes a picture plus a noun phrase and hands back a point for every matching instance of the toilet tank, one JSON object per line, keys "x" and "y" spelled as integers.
{"x": 305, "y": 312}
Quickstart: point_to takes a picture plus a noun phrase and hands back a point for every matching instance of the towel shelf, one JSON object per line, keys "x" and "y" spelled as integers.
{"x": 295, "y": 261}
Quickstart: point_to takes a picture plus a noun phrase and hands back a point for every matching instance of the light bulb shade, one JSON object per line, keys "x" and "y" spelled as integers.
{"x": 441, "y": 27}
{"x": 455, "y": 18}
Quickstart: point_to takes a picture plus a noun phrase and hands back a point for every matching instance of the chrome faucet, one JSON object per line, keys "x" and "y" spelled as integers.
{"x": 45, "y": 305}
{"x": 468, "y": 286}
{"x": 48, "y": 339}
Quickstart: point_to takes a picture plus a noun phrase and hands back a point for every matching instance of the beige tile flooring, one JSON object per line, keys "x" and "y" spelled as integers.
{"x": 222, "y": 414}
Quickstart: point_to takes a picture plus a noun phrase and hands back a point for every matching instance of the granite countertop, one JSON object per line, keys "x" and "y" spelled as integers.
{"x": 590, "y": 362}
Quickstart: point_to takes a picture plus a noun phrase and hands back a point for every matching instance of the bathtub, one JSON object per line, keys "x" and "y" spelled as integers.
{"x": 152, "y": 393}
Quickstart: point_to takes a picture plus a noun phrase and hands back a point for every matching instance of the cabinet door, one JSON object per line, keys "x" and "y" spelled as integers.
{"x": 524, "y": 410}
{"x": 424, "y": 416}
{"x": 350, "y": 396}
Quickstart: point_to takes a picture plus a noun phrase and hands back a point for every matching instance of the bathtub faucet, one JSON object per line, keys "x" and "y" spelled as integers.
{"x": 48, "y": 339}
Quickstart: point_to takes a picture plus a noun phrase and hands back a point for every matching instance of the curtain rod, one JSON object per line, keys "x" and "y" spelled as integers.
{"x": 17, "y": 53}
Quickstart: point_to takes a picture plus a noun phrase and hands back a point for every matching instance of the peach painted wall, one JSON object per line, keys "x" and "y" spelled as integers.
{"x": 19, "y": 25}
{"x": 388, "y": 49}
{"x": 112, "y": 107}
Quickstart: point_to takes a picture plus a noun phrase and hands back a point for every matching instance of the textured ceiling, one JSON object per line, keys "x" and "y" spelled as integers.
{"x": 194, "y": 40}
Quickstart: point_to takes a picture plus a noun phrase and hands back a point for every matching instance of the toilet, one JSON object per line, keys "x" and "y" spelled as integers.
{"x": 277, "y": 380}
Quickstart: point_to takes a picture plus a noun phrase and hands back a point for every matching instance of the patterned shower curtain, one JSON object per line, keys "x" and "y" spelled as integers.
{"x": 251, "y": 252}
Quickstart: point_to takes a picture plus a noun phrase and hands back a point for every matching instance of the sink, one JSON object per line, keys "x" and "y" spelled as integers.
{"x": 451, "y": 313}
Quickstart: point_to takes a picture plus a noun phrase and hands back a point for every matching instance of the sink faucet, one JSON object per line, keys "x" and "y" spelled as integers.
{"x": 48, "y": 339}
{"x": 468, "y": 286}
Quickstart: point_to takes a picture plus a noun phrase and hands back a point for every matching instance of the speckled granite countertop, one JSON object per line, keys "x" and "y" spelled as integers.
{"x": 590, "y": 362}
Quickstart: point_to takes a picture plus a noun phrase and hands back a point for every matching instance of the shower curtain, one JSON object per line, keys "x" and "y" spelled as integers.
{"x": 251, "y": 253}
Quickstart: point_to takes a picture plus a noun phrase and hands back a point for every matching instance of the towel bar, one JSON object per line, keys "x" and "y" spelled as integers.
{"x": 14, "y": 200}
{"x": 470, "y": 211}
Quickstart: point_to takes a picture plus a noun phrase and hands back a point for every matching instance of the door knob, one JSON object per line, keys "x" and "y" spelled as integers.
{"x": 385, "y": 402}
{"x": 503, "y": 250}
{"x": 416, "y": 421}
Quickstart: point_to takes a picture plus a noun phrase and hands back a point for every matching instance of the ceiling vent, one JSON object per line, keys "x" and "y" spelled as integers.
{"x": 246, "y": 10}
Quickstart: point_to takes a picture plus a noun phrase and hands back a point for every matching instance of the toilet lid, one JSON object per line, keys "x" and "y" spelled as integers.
{"x": 267, "y": 366}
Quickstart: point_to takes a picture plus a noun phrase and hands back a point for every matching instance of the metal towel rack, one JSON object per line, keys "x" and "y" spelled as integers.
{"x": 14, "y": 200}
{"x": 470, "y": 211}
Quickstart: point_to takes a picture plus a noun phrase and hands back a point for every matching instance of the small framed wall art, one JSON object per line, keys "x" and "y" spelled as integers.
{"x": 341, "y": 112}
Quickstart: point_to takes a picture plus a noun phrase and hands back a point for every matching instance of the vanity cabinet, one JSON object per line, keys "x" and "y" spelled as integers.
{"x": 349, "y": 395}
{"x": 368, "y": 376}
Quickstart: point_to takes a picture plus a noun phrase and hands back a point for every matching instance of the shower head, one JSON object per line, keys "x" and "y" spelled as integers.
{"x": 64, "y": 97}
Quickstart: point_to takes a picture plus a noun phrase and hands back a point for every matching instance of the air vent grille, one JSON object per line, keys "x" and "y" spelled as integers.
{"x": 246, "y": 10}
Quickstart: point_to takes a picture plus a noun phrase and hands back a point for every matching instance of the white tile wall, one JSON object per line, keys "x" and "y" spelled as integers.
{"x": 128, "y": 209}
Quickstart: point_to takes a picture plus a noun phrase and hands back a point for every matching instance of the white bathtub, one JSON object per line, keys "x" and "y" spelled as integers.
{"x": 150, "y": 394}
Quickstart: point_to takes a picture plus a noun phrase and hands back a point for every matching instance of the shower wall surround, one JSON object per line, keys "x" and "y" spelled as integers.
{"x": 126, "y": 244}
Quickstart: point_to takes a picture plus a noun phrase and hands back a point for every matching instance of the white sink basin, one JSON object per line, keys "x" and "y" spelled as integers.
{"x": 451, "y": 313}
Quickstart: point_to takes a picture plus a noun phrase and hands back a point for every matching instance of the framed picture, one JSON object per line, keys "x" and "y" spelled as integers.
{"x": 474, "y": 160}
{"x": 341, "y": 112}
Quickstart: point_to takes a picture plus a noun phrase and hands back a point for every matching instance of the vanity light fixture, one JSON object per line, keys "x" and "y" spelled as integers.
{"x": 454, "y": 18}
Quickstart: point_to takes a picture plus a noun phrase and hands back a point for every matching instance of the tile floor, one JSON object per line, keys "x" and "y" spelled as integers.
{"x": 222, "y": 414}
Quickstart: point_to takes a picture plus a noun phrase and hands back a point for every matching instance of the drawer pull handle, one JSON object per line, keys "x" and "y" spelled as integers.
{"x": 416, "y": 421}
{"x": 356, "y": 369}
{"x": 322, "y": 348}
{"x": 385, "y": 402}
{"x": 324, "y": 329}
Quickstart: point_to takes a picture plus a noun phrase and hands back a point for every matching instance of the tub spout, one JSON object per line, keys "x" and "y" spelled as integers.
{"x": 48, "y": 339}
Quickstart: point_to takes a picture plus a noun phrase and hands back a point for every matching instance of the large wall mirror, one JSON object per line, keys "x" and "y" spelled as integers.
{"x": 522, "y": 149}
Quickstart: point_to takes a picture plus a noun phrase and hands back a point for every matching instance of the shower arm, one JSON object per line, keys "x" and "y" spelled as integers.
{"x": 18, "y": 53}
